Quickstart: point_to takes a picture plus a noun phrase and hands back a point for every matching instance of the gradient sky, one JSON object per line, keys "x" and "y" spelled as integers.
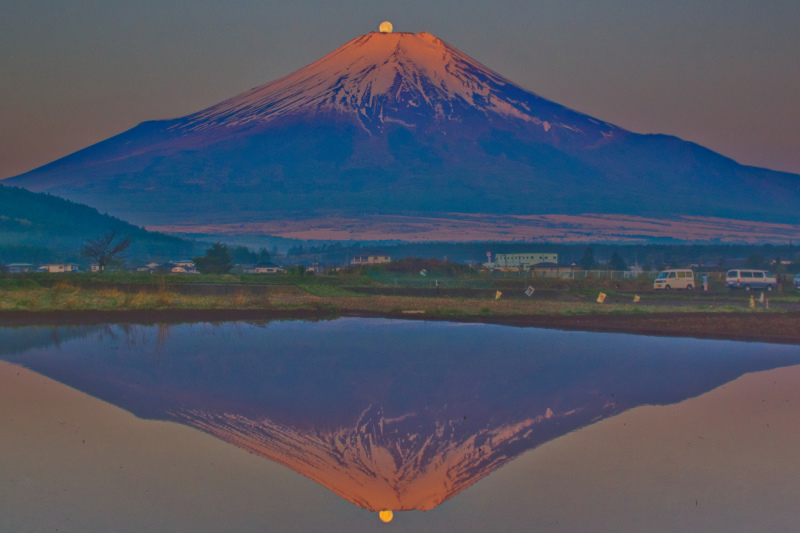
{"x": 722, "y": 73}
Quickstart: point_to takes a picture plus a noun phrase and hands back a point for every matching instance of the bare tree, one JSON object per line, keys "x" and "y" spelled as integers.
{"x": 104, "y": 250}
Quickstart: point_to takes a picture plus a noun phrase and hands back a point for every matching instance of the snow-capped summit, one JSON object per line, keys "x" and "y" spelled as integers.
{"x": 411, "y": 78}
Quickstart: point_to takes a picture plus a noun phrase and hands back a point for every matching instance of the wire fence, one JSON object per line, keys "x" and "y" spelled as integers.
{"x": 614, "y": 274}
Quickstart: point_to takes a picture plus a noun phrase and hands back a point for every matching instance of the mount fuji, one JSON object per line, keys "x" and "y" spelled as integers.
{"x": 403, "y": 124}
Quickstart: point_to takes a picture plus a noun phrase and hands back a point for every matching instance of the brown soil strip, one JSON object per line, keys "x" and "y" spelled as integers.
{"x": 782, "y": 328}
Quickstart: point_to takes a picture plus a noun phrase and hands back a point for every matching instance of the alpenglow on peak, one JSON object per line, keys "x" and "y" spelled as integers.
{"x": 407, "y": 78}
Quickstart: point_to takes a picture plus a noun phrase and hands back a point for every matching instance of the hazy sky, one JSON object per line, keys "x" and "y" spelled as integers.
{"x": 722, "y": 73}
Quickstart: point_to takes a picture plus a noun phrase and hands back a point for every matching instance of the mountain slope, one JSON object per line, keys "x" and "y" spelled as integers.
{"x": 403, "y": 123}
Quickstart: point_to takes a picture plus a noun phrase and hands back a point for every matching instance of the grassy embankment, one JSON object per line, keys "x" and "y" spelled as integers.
{"x": 330, "y": 295}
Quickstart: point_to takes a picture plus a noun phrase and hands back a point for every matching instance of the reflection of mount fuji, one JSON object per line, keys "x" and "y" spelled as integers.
{"x": 387, "y": 414}
{"x": 401, "y": 463}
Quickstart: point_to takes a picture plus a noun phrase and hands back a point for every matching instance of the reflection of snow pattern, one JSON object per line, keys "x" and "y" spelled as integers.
{"x": 379, "y": 463}
{"x": 382, "y": 77}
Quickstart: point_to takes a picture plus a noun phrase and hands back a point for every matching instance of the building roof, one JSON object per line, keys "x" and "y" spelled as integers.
{"x": 367, "y": 253}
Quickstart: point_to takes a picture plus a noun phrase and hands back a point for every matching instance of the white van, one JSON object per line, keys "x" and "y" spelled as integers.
{"x": 675, "y": 279}
{"x": 750, "y": 279}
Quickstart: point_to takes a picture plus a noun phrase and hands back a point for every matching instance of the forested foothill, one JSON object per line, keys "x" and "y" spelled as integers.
{"x": 37, "y": 228}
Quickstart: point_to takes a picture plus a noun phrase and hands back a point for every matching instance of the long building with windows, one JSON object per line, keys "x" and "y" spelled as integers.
{"x": 517, "y": 261}
{"x": 375, "y": 257}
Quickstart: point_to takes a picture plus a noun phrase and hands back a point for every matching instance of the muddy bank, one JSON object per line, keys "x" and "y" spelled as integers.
{"x": 783, "y": 328}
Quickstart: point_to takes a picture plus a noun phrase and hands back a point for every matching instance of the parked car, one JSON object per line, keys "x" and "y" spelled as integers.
{"x": 750, "y": 279}
{"x": 797, "y": 282}
{"x": 675, "y": 279}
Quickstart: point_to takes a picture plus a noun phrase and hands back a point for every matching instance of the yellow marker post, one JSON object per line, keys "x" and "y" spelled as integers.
{"x": 636, "y": 298}
{"x": 498, "y": 295}
{"x": 601, "y": 298}
{"x": 752, "y": 303}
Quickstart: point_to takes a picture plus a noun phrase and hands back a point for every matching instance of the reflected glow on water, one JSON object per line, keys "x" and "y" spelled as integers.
{"x": 389, "y": 415}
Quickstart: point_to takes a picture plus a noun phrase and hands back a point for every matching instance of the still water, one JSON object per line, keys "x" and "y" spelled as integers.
{"x": 357, "y": 416}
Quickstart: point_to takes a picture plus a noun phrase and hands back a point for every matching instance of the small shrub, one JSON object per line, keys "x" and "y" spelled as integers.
{"x": 57, "y": 291}
{"x": 165, "y": 299}
{"x": 110, "y": 293}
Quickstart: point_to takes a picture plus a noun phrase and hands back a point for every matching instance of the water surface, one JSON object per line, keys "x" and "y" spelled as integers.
{"x": 386, "y": 414}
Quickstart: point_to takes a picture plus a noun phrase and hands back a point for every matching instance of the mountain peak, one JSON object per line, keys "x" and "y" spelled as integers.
{"x": 411, "y": 78}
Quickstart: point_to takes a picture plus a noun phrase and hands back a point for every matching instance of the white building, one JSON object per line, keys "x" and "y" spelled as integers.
{"x": 18, "y": 268}
{"x": 267, "y": 268}
{"x": 178, "y": 269}
{"x": 519, "y": 261}
{"x": 58, "y": 268}
{"x": 371, "y": 258}
{"x": 185, "y": 263}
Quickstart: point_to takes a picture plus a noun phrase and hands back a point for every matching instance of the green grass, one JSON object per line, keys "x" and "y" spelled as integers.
{"x": 18, "y": 282}
{"x": 51, "y": 292}
{"x": 327, "y": 291}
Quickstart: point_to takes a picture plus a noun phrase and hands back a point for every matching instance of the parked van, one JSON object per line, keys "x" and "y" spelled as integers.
{"x": 750, "y": 279}
{"x": 675, "y": 279}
